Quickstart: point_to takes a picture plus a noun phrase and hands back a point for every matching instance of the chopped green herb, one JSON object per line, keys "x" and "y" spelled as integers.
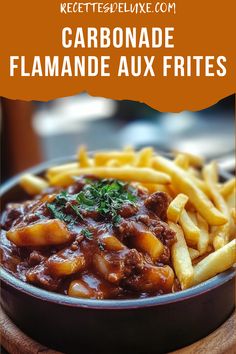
{"x": 105, "y": 196}
{"x": 86, "y": 233}
{"x": 116, "y": 220}
{"x": 76, "y": 210}
{"x": 101, "y": 246}
{"x": 58, "y": 211}
{"x": 39, "y": 215}
{"x": 59, "y": 214}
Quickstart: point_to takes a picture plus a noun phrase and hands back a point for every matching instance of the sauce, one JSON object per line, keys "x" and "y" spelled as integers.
{"x": 99, "y": 239}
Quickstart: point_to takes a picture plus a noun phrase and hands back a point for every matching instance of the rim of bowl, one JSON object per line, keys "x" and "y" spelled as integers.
{"x": 115, "y": 304}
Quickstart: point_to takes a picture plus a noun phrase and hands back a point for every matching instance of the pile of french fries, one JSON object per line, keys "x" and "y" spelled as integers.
{"x": 202, "y": 210}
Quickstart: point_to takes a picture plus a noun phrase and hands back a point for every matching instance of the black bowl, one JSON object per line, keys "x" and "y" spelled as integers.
{"x": 152, "y": 325}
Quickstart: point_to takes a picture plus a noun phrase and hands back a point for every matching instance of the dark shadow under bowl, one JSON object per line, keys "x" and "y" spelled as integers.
{"x": 153, "y": 325}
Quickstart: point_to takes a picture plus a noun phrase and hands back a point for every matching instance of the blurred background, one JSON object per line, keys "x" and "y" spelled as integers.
{"x": 32, "y": 132}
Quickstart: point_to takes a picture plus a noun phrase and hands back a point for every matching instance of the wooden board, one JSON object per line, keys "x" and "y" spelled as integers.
{"x": 222, "y": 341}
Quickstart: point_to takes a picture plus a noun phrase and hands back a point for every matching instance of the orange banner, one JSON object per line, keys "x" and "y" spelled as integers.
{"x": 172, "y": 56}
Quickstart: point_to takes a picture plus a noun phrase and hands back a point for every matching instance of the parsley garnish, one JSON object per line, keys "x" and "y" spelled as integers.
{"x": 105, "y": 196}
{"x": 59, "y": 205}
{"x": 58, "y": 213}
{"x": 101, "y": 246}
{"x": 86, "y": 233}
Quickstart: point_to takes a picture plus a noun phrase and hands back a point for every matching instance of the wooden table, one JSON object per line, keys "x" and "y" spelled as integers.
{"x": 222, "y": 341}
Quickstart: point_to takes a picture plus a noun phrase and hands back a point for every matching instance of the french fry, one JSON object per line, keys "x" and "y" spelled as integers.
{"x": 83, "y": 157}
{"x": 50, "y": 232}
{"x": 128, "y": 148}
{"x": 232, "y": 224}
{"x": 33, "y": 185}
{"x": 233, "y": 214}
{"x": 231, "y": 199}
{"x": 220, "y": 236}
{"x": 144, "y": 157}
{"x": 176, "y": 207}
{"x": 203, "y": 241}
{"x": 193, "y": 253}
{"x": 194, "y": 172}
{"x": 56, "y": 170}
{"x": 181, "y": 259}
{"x": 215, "y": 263}
{"x": 191, "y": 231}
{"x": 228, "y": 187}
{"x": 152, "y": 188}
{"x": 221, "y": 233}
{"x": 113, "y": 163}
{"x": 209, "y": 172}
{"x": 182, "y": 160}
{"x": 101, "y": 158}
{"x": 193, "y": 216}
{"x": 200, "y": 184}
{"x": 194, "y": 160}
{"x": 185, "y": 184}
{"x": 146, "y": 175}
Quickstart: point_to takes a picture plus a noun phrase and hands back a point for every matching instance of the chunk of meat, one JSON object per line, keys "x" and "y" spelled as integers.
{"x": 142, "y": 238}
{"x": 165, "y": 256}
{"x": 35, "y": 258}
{"x": 50, "y": 232}
{"x": 77, "y": 186}
{"x": 158, "y": 203}
{"x": 164, "y": 233}
{"x": 117, "y": 265}
{"x": 128, "y": 210}
{"x": 8, "y": 253}
{"x": 39, "y": 276}
{"x": 160, "y": 228}
{"x": 80, "y": 182}
{"x": 13, "y": 212}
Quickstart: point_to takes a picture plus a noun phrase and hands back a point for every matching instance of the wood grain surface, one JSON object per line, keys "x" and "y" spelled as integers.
{"x": 222, "y": 341}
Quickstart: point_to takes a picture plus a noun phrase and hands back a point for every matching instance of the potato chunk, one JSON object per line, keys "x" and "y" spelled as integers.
{"x": 90, "y": 286}
{"x": 79, "y": 289}
{"x": 152, "y": 279}
{"x": 147, "y": 242}
{"x": 46, "y": 233}
{"x": 65, "y": 262}
{"x": 112, "y": 243}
